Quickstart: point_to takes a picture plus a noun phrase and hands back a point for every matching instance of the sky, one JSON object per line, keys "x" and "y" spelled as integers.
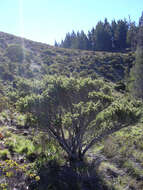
{"x": 50, "y": 20}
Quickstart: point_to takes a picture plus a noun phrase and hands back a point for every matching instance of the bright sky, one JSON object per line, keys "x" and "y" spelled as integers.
{"x": 49, "y": 20}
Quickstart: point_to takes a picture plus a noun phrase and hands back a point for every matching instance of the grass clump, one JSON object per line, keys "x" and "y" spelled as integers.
{"x": 4, "y": 154}
{"x": 20, "y": 145}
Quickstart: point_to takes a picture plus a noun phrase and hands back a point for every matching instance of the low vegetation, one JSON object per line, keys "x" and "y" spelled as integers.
{"x": 33, "y": 60}
{"x": 67, "y": 119}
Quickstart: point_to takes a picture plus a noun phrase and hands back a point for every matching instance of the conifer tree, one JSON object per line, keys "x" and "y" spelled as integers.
{"x": 136, "y": 86}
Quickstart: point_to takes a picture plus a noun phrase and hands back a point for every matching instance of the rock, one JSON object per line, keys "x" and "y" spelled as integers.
{"x": 25, "y": 133}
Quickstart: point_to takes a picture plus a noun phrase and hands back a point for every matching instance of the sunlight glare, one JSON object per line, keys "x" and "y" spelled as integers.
{"x": 21, "y": 26}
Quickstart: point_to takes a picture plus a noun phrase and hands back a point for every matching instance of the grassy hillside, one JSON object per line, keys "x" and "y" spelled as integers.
{"x": 114, "y": 163}
{"x": 25, "y": 58}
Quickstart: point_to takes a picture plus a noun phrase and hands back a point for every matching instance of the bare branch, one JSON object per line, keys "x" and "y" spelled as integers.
{"x": 100, "y": 137}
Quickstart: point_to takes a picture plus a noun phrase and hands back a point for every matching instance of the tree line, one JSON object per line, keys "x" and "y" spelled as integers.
{"x": 115, "y": 36}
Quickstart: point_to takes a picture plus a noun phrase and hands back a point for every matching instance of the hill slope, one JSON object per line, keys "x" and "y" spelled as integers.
{"x": 119, "y": 157}
{"x": 26, "y": 58}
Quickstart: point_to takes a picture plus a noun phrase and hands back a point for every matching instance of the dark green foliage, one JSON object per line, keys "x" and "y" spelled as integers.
{"x": 37, "y": 59}
{"x": 132, "y": 36}
{"x": 116, "y": 36}
{"x": 120, "y": 35}
{"x": 120, "y": 86}
{"x": 109, "y": 65}
{"x": 103, "y": 36}
{"x": 16, "y": 53}
{"x": 136, "y": 79}
{"x": 77, "y": 112}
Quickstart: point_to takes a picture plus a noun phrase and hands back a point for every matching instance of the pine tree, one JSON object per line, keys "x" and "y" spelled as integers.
{"x": 137, "y": 71}
{"x": 99, "y": 39}
{"x": 92, "y": 39}
{"x": 74, "y": 43}
{"x": 56, "y": 44}
{"x": 121, "y": 34}
{"x": 67, "y": 41}
{"x": 141, "y": 20}
{"x": 136, "y": 86}
{"x": 132, "y": 36}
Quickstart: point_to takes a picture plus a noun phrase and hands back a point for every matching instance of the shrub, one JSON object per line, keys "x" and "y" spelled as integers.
{"x": 17, "y": 53}
{"x": 4, "y": 154}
